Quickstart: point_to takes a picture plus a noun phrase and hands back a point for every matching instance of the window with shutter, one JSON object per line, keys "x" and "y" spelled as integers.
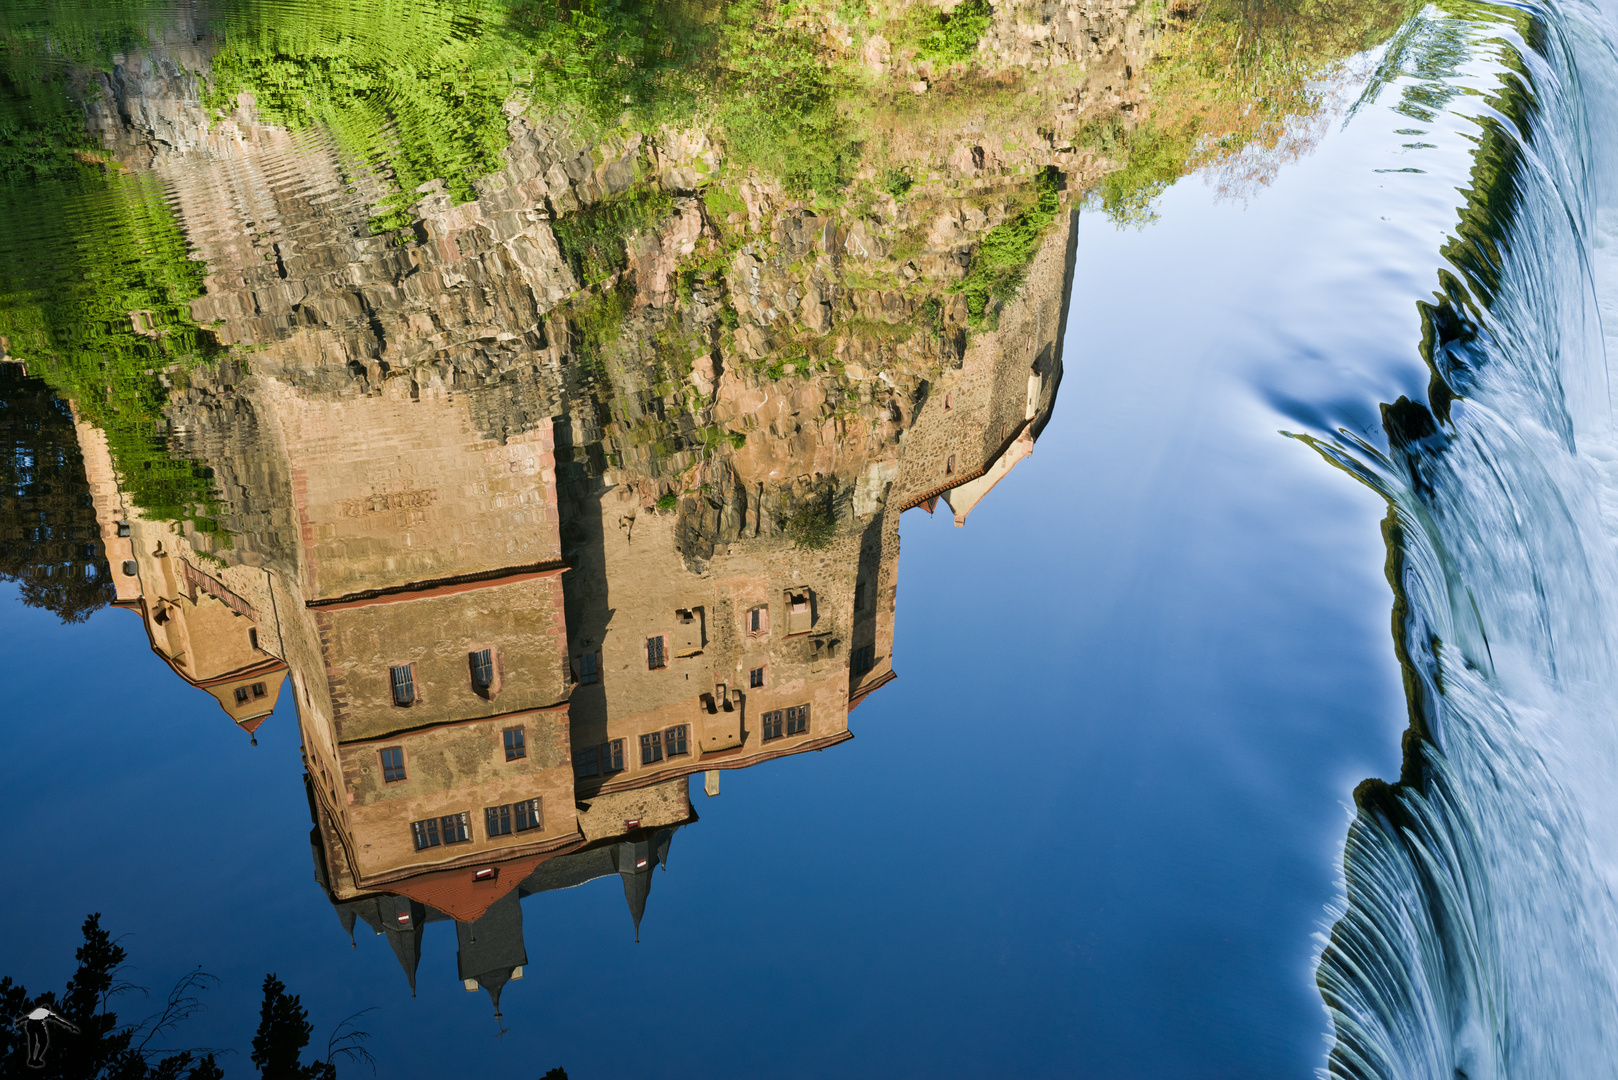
{"x": 426, "y": 833}
{"x": 483, "y": 668}
{"x": 528, "y": 815}
{"x": 772, "y": 725}
{"x": 654, "y": 653}
{"x": 516, "y": 745}
{"x": 403, "y": 678}
{"x": 455, "y": 828}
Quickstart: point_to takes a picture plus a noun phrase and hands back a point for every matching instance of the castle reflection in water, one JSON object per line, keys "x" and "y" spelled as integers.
{"x": 512, "y": 632}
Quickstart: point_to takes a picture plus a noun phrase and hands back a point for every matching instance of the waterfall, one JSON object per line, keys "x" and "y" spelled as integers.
{"x": 1478, "y": 933}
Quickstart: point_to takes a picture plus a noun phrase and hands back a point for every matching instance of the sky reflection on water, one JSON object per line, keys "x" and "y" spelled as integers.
{"x": 1093, "y": 827}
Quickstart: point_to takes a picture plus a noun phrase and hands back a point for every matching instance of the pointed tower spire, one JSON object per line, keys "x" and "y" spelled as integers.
{"x": 491, "y": 948}
{"x": 635, "y": 861}
{"x": 402, "y": 918}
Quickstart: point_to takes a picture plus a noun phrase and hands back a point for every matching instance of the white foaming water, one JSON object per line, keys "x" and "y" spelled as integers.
{"x": 1480, "y": 932}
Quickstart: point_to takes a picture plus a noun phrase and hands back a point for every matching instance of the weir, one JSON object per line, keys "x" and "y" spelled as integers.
{"x": 1479, "y": 929}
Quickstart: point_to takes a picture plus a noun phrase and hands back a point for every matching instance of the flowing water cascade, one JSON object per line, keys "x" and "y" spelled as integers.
{"x": 1479, "y": 933}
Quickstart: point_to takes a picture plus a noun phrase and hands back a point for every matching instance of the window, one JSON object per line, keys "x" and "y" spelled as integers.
{"x": 130, "y": 568}
{"x": 403, "y": 678}
{"x": 602, "y": 760}
{"x": 674, "y": 740}
{"x": 515, "y": 745}
{"x": 949, "y": 466}
{"x": 757, "y": 620}
{"x": 259, "y": 690}
{"x": 588, "y": 672}
{"x": 797, "y": 719}
{"x": 772, "y": 725}
{"x": 528, "y": 815}
{"x": 455, "y": 828}
{"x": 654, "y": 653}
{"x": 497, "y": 820}
{"x": 483, "y": 669}
{"x": 426, "y": 833}
{"x": 755, "y": 678}
{"x": 123, "y": 528}
{"x": 864, "y": 659}
{"x": 651, "y": 748}
{"x": 392, "y": 764}
{"x": 859, "y": 595}
{"x": 241, "y": 695}
{"x": 252, "y": 637}
{"x": 949, "y": 400}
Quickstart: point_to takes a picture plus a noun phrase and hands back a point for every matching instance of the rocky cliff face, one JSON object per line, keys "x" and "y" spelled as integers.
{"x": 691, "y": 330}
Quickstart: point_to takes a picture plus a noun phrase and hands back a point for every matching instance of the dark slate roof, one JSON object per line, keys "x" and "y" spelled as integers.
{"x": 491, "y": 946}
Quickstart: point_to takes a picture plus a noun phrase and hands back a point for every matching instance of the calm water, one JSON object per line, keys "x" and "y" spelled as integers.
{"x": 515, "y": 413}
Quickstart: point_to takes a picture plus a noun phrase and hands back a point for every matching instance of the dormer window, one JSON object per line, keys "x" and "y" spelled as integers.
{"x": 800, "y": 611}
{"x": 403, "y": 680}
{"x": 688, "y": 632}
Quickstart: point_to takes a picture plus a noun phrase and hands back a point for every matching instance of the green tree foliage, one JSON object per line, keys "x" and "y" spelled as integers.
{"x": 102, "y": 1049}
{"x": 283, "y": 1033}
{"x": 49, "y": 537}
{"x": 1001, "y": 261}
{"x": 95, "y": 287}
{"x": 950, "y": 38}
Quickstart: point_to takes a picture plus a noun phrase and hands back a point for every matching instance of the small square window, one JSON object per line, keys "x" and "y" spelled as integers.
{"x": 456, "y": 828}
{"x": 259, "y": 690}
{"x": 584, "y": 763}
{"x": 674, "y": 740}
{"x": 497, "y": 820}
{"x": 651, "y": 748}
{"x": 588, "y": 671}
{"x": 654, "y": 653}
{"x": 797, "y": 720}
{"x": 772, "y": 725}
{"x": 516, "y": 747}
{"x": 403, "y": 679}
{"x": 528, "y": 815}
{"x": 483, "y": 669}
{"x": 393, "y": 766}
{"x": 755, "y": 678}
{"x": 123, "y": 528}
{"x": 130, "y": 568}
{"x": 426, "y": 833}
{"x": 241, "y": 695}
